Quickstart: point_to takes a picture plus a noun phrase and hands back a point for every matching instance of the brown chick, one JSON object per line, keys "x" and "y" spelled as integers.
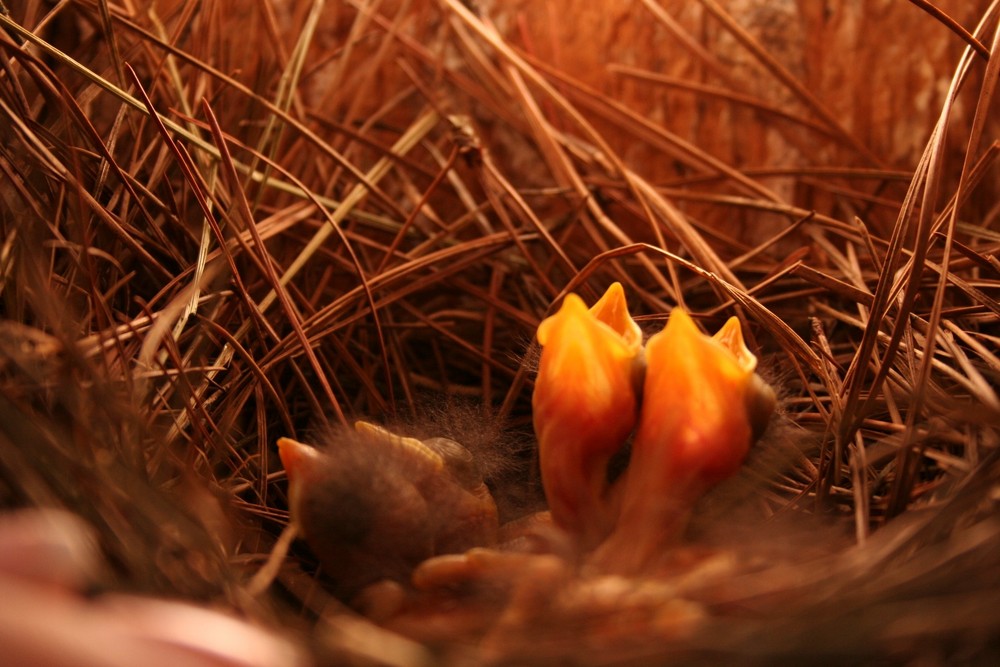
{"x": 373, "y": 505}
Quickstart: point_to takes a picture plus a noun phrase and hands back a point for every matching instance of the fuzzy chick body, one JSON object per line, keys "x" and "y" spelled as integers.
{"x": 373, "y": 505}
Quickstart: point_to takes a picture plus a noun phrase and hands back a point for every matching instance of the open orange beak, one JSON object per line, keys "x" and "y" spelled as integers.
{"x": 694, "y": 427}
{"x": 701, "y": 405}
{"x": 585, "y": 406}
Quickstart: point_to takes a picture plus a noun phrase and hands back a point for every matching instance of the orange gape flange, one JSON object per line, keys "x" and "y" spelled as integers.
{"x": 585, "y": 407}
{"x": 700, "y": 409}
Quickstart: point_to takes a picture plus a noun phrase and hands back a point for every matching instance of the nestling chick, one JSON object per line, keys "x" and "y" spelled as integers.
{"x": 372, "y": 505}
{"x": 584, "y": 406}
{"x": 694, "y": 402}
{"x": 703, "y": 409}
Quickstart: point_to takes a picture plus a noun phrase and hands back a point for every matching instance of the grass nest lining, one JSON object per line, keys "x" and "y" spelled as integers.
{"x": 223, "y": 223}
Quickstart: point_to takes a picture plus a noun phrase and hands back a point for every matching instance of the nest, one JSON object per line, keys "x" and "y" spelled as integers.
{"x": 223, "y": 223}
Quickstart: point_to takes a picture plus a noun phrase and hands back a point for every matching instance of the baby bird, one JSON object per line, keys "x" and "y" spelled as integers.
{"x": 691, "y": 404}
{"x": 584, "y": 406}
{"x": 372, "y": 505}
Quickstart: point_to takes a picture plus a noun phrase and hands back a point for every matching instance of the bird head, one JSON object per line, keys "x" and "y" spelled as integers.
{"x": 694, "y": 401}
{"x": 373, "y": 504}
{"x": 696, "y": 426}
{"x": 585, "y": 406}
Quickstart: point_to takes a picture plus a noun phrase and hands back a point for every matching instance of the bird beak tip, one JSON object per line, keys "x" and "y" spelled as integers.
{"x": 612, "y": 310}
{"x": 682, "y": 345}
{"x": 571, "y": 310}
{"x": 730, "y": 336}
{"x": 296, "y": 457}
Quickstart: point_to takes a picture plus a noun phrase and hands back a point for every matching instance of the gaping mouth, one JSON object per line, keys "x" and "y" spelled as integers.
{"x": 693, "y": 401}
{"x": 585, "y": 405}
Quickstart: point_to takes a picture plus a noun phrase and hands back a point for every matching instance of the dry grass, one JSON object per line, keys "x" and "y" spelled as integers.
{"x": 227, "y": 222}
